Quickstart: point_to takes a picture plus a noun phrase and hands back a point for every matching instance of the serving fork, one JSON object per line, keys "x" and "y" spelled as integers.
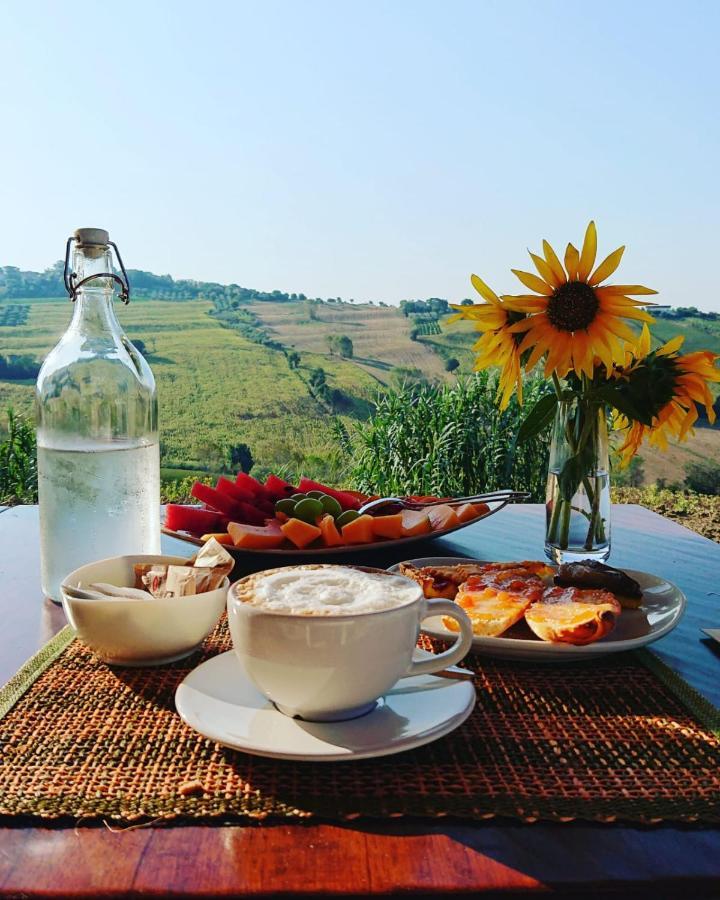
{"x": 502, "y": 497}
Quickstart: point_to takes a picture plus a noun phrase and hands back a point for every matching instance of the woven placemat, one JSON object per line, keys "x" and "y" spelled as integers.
{"x": 619, "y": 739}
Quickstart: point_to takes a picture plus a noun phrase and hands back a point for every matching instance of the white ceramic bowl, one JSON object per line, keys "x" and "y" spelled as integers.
{"x": 132, "y": 632}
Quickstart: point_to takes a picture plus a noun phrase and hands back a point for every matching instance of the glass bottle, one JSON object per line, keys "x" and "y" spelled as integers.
{"x": 97, "y": 427}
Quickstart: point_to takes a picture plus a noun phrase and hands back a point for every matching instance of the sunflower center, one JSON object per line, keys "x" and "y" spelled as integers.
{"x": 572, "y": 306}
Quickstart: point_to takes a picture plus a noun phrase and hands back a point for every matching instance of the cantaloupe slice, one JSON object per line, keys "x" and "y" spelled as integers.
{"x": 300, "y": 533}
{"x": 415, "y": 522}
{"x": 359, "y": 531}
{"x": 442, "y": 517}
{"x": 331, "y": 537}
{"x": 222, "y": 538}
{"x": 466, "y": 512}
{"x": 388, "y": 526}
{"x": 256, "y": 537}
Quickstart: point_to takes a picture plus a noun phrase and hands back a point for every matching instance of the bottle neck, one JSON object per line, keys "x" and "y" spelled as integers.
{"x": 94, "y": 313}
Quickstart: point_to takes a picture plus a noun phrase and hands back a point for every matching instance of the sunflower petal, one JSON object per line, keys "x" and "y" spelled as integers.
{"x": 607, "y": 266}
{"x": 687, "y": 423}
{"x": 642, "y": 348}
{"x": 554, "y": 263}
{"x": 484, "y": 290}
{"x": 589, "y": 252}
{"x": 572, "y": 261}
{"x": 626, "y": 289}
{"x": 629, "y": 312}
{"x": 546, "y": 272}
{"x": 528, "y": 303}
{"x": 533, "y": 282}
{"x": 672, "y": 346}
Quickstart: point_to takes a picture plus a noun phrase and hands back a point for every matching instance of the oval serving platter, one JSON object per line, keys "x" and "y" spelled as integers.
{"x": 347, "y": 549}
{"x": 662, "y": 608}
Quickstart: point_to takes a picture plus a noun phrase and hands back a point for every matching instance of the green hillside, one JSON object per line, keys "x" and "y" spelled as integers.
{"x": 216, "y": 388}
{"x": 241, "y": 369}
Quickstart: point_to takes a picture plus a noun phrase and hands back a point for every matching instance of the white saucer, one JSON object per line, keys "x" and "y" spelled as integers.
{"x": 662, "y": 608}
{"x": 218, "y": 700}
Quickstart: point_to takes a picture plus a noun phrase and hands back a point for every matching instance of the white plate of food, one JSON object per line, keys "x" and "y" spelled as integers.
{"x": 540, "y": 622}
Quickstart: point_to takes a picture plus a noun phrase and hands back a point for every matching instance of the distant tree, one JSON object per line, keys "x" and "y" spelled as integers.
{"x": 632, "y": 475}
{"x": 317, "y": 378}
{"x": 241, "y": 458}
{"x": 140, "y": 346}
{"x": 18, "y": 367}
{"x": 467, "y": 302}
{"x": 340, "y": 344}
{"x": 703, "y": 477}
{"x": 414, "y": 334}
{"x": 293, "y": 358}
{"x": 311, "y": 309}
{"x": 452, "y": 364}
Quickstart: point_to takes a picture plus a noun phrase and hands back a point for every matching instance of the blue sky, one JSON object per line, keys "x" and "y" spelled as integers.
{"x": 375, "y": 150}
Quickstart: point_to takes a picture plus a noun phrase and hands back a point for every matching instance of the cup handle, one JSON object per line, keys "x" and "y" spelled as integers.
{"x": 458, "y": 650}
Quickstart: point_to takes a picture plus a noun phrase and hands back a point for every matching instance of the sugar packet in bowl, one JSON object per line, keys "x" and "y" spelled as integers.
{"x": 205, "y": 572}
{"x": 148, "y": 610}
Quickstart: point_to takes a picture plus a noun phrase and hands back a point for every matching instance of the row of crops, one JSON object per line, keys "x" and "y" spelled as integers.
{"x": 14, "y": 314}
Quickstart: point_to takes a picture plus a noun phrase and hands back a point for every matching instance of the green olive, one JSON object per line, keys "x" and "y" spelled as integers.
{"x": 286, "y": 505}
{"x": 331, "y": 506}
{"x": 309, "y": 510}
{"x": 348, "y": 516}
{"x": 318, "y": 495}
{"x": 298, "y": 497}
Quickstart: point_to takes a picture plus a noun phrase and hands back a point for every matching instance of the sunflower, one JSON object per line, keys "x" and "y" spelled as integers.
{"x": 571, "y": 317}
{"x": 498, "y": 345}
{"x": 671, "y": 386}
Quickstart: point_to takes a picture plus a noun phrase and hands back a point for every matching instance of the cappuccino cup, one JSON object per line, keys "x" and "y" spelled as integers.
{"x": 325, "y": 642}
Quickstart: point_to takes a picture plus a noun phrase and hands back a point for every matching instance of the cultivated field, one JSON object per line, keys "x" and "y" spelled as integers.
{"x": 216, "y": 388}
{"x": 380, "y": 335}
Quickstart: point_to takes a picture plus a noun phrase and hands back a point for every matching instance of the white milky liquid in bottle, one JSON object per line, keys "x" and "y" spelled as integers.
{"x": 98, "y": 450}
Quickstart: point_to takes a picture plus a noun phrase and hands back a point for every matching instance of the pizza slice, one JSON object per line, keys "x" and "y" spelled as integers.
{"x": 570, "y": 615}
{"x": 445, "y": 581}
{"x": 496, "y": 600}
{"x": 440, "y": 581}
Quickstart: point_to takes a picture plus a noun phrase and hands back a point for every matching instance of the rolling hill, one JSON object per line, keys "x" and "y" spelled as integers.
{"x": 248, "y": 372}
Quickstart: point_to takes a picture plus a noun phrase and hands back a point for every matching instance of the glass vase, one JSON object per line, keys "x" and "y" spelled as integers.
{"x": 577, "y": 499}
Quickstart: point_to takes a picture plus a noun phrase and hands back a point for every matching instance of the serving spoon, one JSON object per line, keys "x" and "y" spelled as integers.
{"x": 502, "y": 497}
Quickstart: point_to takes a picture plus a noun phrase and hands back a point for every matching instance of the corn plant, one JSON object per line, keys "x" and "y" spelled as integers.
{"x": 448, "y": 440}
{"x": 18, "y": 462}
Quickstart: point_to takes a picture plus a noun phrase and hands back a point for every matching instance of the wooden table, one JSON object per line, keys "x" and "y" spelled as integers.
{"x": 435, "y": 857}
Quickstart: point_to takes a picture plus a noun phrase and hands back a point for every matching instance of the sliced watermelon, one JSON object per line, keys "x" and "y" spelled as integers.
{"x": 239, "y": 494}
{"x": 277, "y": 488}
{"x": 225, "y": 486}
{"x": 252, "y": 486}
{"x": 192, "y": 519}
{"x": 210, "y": 497}
{"x": 345, "y": 499}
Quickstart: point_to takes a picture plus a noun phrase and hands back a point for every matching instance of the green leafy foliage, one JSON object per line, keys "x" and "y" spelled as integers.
{"x": 703, "y": 477}
{"x": 448, "y": 440}
{"x": 341, "y": 345}
{"x": 18, "y": 462}
{"x": 18, "y": 367}
{"x": 241, "y": 458}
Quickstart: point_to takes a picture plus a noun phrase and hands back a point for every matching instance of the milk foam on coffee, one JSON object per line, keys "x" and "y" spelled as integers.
{"x": 335, "y": 590}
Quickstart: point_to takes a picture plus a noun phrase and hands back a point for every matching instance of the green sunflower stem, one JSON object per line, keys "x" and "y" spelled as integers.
{"x": 578, "y": 498}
